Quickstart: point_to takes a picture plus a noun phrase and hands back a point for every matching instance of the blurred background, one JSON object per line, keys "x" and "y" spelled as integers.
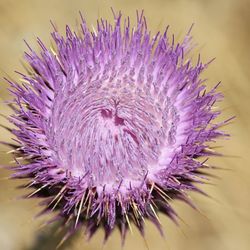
{"x": 221, "y": 30}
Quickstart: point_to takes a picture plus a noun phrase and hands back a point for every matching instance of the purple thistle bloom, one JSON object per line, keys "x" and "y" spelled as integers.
{"x": 111, "y": 125}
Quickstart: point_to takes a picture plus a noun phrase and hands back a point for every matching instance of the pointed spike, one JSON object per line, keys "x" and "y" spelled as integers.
{"x": 38, "y": 190}
{"x": 79, "y": 210}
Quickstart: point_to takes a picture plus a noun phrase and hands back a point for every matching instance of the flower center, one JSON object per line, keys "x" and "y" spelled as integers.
{"x": 111, "y": 133}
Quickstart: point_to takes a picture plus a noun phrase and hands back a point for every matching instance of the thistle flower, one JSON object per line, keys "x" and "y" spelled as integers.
{"x": 112, "y": 124}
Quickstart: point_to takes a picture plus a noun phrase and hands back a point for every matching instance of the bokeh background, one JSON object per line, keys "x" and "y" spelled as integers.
{"x": 222, "y": 31}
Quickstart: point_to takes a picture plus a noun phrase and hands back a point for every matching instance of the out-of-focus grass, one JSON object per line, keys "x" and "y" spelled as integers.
{"x": 221, "y": 30}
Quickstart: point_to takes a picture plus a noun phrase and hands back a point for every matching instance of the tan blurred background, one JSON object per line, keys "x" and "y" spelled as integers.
{"x": 222, "y": 31}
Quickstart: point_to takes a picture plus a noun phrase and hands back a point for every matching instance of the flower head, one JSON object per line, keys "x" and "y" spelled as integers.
{"x": 111, "y": 124}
